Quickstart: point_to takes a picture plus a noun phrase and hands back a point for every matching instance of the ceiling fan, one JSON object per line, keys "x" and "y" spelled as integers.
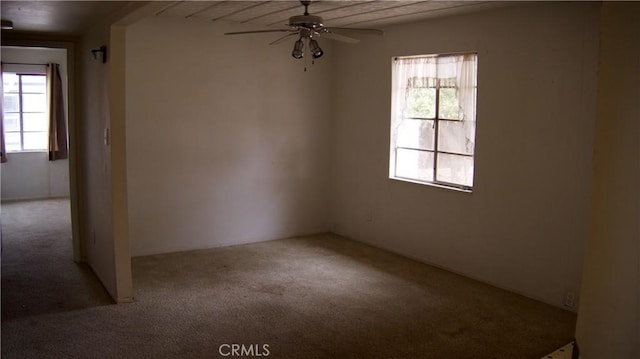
{"x": 307, "y": 27}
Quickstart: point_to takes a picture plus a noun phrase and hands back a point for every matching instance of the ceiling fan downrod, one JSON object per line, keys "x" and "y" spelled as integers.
{"x": 306, "y": 6}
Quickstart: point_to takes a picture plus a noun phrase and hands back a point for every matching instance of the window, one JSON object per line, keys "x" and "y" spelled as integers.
{"x": 26, "y": 123}
{"x": 433, "y": 119}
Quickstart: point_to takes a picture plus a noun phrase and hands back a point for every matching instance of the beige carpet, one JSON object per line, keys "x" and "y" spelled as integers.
{"x": 314, "y": 297}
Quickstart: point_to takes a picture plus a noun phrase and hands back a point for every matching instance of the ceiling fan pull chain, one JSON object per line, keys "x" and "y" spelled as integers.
{"x": 306, "y": 50}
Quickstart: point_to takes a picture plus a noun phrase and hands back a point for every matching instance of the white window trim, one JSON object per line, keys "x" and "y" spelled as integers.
{"x": 27, "y": 69}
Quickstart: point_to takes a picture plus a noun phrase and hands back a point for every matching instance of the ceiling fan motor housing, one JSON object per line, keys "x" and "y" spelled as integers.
{"x": 306, "y": 21}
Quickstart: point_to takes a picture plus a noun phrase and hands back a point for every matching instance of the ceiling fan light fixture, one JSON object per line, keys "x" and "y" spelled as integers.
{"x": 316, "y": 51}
{"x": 305, "y": 27}
{"x": 298, "y": 49}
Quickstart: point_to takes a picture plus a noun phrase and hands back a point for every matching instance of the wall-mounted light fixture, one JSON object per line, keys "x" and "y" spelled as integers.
{"x": 100, "y": 53}
{"x": 7, "y": 25}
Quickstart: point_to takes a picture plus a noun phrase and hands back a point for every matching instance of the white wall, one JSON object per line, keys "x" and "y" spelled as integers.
{"x": 227, "y": 137}
{"x": 118, "y": 165}
{"x": 98, "y": 246}
{"x": 106, "y": 240}
{"x": 523, "y": 228}
{"x": 105, "y": 229}
{"x": 30, "y": 175}
{"x": 609, "y": 316}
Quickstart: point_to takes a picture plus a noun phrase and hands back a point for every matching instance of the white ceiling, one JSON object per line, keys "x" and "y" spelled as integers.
{"x": 72, "y": 17}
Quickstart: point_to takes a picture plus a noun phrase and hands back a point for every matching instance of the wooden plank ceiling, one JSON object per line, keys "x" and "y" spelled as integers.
{"x": 334, "y": 12}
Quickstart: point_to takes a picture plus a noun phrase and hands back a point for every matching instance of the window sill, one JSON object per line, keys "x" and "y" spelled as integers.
{"x": 431, "y": 184}
{"x": 26, "y": 151}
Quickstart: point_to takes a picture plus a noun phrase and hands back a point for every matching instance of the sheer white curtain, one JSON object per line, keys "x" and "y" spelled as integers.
{"x": 417, "y": 71}
{"x": 3, "y": 150}
{"x": 466, "y": 82}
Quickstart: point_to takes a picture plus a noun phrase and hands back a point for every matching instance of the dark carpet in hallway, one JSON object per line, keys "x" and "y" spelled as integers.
{"x": 38, "y": 272}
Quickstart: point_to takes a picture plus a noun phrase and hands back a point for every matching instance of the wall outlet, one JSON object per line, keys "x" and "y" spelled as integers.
{"x": 570, "y": 300}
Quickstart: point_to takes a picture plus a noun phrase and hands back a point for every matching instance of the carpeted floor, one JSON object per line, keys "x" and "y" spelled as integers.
{"x": 320, "y": 296}
{"x": 38, "y": 272}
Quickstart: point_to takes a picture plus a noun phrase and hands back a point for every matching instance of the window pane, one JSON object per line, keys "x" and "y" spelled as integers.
{"x": 10, "y": 82}
{"x": 36, "y": 122}
{"x": 416, "y": 134}
{"x": 11, "y": 103}
{"x": 421, "y": 102}
{"x": 455, "y": 169}
{"x": 34, "y": 84}
{"x": 414, "y": 164}
{"x": 12, "y": 141}
{"x": 449, "y": 108}
{"x": 34, "y": 103}
{"x": 12, "y": 122}
{"x": 35, "y": 141}
{"x": 452, "y": 137}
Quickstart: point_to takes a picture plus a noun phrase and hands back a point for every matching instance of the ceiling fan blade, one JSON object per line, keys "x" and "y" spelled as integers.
{"x": 355, "y": 30}
{"x": 338, "y": 37}
{"x": 279, "y": 40}
{"x": 258, "y": 31}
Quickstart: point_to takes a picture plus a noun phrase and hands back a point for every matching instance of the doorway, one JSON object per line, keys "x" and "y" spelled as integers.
{"x": 28, "y": 174}
{"x": 41, "y": 252}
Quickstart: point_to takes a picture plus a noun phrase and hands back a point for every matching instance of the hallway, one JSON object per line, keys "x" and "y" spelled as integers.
{"x": 38, "y": 272}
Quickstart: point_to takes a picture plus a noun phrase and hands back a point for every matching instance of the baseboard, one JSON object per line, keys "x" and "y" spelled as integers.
{"x": 124, "y": 300}
{"x": 569, "y": 351}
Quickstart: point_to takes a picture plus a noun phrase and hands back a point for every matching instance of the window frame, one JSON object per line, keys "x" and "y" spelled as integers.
{"x": 21, "y": 111}
{"x": 436, "y": 133}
